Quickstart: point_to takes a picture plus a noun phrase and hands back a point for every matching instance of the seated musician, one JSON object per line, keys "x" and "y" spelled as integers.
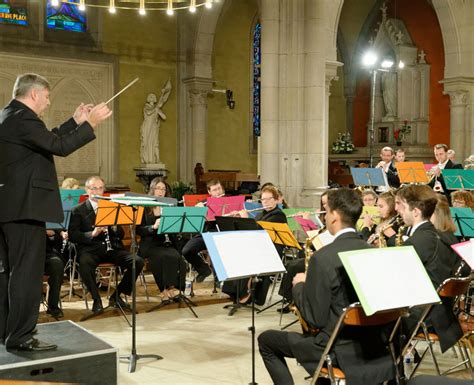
{"x": 400, "y": 155}
{"x": 416, "y": 204}
{"x": 320, "y": 295}
{"x": 165, "y": 262}
{"x": 369, "y": 197}
{"x": 387, "y": 154}
{"x": 387, "y": 228}
{"x": 270, "y": 213}
{"x": 296, "y": 266}
{"x": 196, "y": 244}
{"x": 100, "y": 245}
{"x": 54, "y": 269}
{"x": 463, "y": 198}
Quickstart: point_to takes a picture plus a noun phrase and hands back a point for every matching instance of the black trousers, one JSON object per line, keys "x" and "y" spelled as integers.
{"x": 88, "y": 263}
{"x": 54, "y": 269}
{"x": 191, "y": 250}
{"x": 167, "y": 265}
{"x": 292, "y": 268}
{"x": 22, "y": 255}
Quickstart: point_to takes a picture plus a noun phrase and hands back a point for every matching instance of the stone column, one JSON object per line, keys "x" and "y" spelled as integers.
{"x": 460, "y": 137}
{"x": 269, "y": 139}
{"x": 198, "y": 89}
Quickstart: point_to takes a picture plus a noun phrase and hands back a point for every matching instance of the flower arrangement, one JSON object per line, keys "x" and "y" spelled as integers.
{"x": 400, "y": 133}
{"x": 343, "y": 144}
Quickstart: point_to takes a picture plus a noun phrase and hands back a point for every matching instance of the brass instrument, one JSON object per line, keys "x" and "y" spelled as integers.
{"x": 381, "y": 228}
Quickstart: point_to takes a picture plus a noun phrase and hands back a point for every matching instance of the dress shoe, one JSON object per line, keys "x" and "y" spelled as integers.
{"x": 116, "y": 301}
{"x": 97, "y": 306}
{"x": 203, "y": 274}
{"x": 55, "y": 312}
{"x": 285, "y": 309}
{"x": 33, "y": 345}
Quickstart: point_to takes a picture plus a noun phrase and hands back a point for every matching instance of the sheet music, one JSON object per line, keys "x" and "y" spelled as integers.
{"x": 466, "y": 251}
{"x": 389, "y": 278}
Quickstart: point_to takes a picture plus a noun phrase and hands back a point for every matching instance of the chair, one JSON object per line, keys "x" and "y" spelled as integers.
{"x": 454, "y": 288}
{"x": 354, "y": 315}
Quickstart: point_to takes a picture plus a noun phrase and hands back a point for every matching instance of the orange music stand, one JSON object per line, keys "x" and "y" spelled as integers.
{"x": 412, "y": 172}
{"x": 110, "y": 214}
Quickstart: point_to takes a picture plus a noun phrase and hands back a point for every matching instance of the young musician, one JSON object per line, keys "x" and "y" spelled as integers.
{"x": 416, "y": 204}
{"x": 369, "y": 197}
{"x": 320, "y": 295}
{"x": 437, "y": 182}
{"x": 400, "y": 155}
{"x": 100, "y": 244}
{"x": 165, "y": 262}
{"x": 29, "y": 197}
{"x": 196, "y": 244}
{"x": 387, "y": 155}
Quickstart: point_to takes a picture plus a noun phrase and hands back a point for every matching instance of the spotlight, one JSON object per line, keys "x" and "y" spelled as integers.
{"x": 387, "y": 63}
{"x": 192, "y": 6}
{"x": 369, "y": 59}
{"x": 208, "y": 4}
{"x": 82, "y": 6}
{"x": 169, "y": 9}
{"x": 401, "y": 64}
{"x": 54, "y": 3}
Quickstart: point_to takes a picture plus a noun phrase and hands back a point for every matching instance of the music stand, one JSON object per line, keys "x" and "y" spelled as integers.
{"x": 244, "y": 254}
{"x": 224, "y": 205}
{"x": 456, "y": 179}
{"x": 236, "y": 224}
{"x": 181, "y": 220}
{"x": 466, "y": 251}
{"x": 463, "y": 218}
{"x": 412, "y": 172}
{"x": 370, "y": 177}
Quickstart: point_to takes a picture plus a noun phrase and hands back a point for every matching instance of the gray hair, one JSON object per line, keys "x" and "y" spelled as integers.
{"x": 25, "y": 82}
{"x": 91, "y": 178}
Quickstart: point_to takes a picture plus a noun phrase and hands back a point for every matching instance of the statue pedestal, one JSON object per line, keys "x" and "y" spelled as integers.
{"x": 147, "y": 172}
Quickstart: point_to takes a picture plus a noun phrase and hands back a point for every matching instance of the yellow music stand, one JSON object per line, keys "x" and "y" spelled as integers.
{"x": 412, "y": 172}
{"x": 280, "y": 234}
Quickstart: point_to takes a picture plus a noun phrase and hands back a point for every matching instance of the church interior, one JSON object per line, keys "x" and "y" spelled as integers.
{"x": 246, "y": 92}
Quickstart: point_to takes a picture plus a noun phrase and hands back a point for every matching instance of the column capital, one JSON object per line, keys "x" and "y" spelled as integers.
{"x": 199, "y": 89}
{"x": 458, "y": 98}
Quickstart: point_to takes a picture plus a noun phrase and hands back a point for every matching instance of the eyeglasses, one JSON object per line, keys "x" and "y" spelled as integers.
{"x": 160, "y": 188}
{"x": 96, "y": 188}
{"x": 459, "y": 202}
{"x": 266, "y": 199}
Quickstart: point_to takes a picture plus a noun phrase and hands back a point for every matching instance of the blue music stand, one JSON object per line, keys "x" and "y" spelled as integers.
{"x": 67, "y": 204}
{"x": 370, "y": 177}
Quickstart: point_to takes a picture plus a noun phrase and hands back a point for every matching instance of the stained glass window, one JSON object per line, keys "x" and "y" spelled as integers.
{"x": 13, "y": 12}
{"x": 257, "y": 56}
{"x": 65, "y": 16}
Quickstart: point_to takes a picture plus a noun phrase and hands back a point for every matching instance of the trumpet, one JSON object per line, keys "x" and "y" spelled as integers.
{"x": 309, "y": 212}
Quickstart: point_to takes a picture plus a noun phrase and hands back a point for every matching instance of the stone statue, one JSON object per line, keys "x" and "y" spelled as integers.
{"x": 389, "y": 94}
{"x": 150, "y": 128}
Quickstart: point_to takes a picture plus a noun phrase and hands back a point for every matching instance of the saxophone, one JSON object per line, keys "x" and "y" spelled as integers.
{"x": 379, "y": 234}
{"x": 399, "y": 238}
{"x": 308, "y": 252}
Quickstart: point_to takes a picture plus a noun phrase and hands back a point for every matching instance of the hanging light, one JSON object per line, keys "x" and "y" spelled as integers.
{"x": 401, "y": 64}
{"x": 54, "y": 3}
{"x": 82, "y": 5}
{"x": 142, "y": 11}
{"x": 112, "y": 6}
{"x": 169, "y": 9}
{"x": 208, "y": 4}
{"x": 192, "y": 6}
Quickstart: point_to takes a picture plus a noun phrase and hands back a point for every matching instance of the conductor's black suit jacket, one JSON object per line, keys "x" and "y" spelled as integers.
{"x": 440, "y": 261}
{"x": 360, "y": 352}
{"x": 28, "y": 180}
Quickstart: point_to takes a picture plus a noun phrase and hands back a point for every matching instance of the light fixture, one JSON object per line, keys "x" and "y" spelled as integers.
{"x": 387, "y": 63}
{"x": 169, "y": 9}
{"x": 192, "y": 6}
{"x": 112, "y": 6}
{"x": 401, "y": 64}
{"x": 230, "y": 99}
{"x": 369, "y": 59}
{"x": 54, "y": 3}
{"x": 208, "y": 4}
{"x": 82, "y": 5}
{"x": 142, "y": 11}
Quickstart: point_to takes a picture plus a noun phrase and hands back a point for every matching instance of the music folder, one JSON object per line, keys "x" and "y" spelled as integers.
{"x": 389, "y": 278}
{"x": 241, "y": 254}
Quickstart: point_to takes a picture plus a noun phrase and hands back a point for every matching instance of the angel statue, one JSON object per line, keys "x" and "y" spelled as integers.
{"x": 150, "y": 128}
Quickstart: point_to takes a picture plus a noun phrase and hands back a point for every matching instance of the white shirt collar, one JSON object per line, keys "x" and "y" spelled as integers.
{"x": 443, "y": 165}
{"x": 413, "y": 229}
{"x": 345, "y": 230}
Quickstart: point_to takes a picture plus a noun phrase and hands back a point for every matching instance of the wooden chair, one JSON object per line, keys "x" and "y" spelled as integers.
{"x": 453, "y": 288}
{"x": 354, "y": 315}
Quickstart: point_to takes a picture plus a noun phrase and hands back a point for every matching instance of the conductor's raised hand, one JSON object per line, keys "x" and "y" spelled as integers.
{"x": 82, "y": 112}
{"x": 98, "y": 114}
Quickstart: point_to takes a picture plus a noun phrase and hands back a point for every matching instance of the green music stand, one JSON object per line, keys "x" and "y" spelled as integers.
{"x": 456, "y": 179}
{"x": 463, "y": 217}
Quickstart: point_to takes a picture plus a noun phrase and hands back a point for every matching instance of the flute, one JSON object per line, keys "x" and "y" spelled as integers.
{"x": 309, "y": 212}
{"x": 248, "y": 211}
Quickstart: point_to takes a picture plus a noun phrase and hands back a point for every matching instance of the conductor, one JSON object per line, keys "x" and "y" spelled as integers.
{"x": 29, "y": 197}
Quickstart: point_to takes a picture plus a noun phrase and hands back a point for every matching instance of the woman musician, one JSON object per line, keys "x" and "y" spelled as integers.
{"x": 388, "y": 226}
{"x": 270, "y": 213}
{"x": 166, "y": 263}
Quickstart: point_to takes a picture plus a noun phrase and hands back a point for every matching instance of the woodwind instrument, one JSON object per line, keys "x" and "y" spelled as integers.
{"x": 107, "y": 240}
{"x": 309, "y": 212}
{"x": 379, "y": 232}
{"x": 248, "y": 211}
{"x": 399, "y": 238}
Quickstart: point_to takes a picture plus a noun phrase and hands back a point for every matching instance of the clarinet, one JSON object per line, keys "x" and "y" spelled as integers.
{"x": 107, "y": 240}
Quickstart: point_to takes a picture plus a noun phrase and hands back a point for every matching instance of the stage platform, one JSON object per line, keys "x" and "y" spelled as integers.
{"x": 80, "y": 358}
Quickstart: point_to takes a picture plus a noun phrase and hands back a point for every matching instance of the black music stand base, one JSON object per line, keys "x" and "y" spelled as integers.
{"x": 180, "y": 298}
{"x": 134, "y": 357}
{"x": 252, "y": 328}
{"x": 110, "y": 308}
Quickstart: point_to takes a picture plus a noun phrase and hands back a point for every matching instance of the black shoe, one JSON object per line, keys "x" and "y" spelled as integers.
{"x": 116, "y": 301}
{"x": 33, "y": 345}
{"x": 97, "y": 307}
{"x": 285, "y": 309}
{"x": 203, "y": 274}
{"x": 55, "y": 312}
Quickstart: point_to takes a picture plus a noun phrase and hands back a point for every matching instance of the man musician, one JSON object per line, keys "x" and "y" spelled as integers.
{"x": 100, "y": 244}
{"x": 29, "y": 197}
{"x": 444, "y": 163}
{"x": 387, "y": 155}
{"x": 320, "y": 295}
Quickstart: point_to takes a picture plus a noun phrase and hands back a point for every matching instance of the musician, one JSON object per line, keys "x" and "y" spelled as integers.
{"x": 387, "y": 155}
{"x": 196, "y": 244}
{"x": 416, "y": 204}
{"x": 387, "y": 225}
{"x": 320, "y": 295}
{"x": 400, "y": 155}
{"x": 451, "y": 155}
{"x": 70, "y": 184}
{"x": 54, "y": 269}
{"x": 100, "y": 245}
{"x": 369, "y": 197}
{"x": 462, "y": 198}
{"x": 165, "y": 262}
{"x": 437, "y": 181}
{"x": 297, "y": 265}
{"x": 29, "y": 197}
